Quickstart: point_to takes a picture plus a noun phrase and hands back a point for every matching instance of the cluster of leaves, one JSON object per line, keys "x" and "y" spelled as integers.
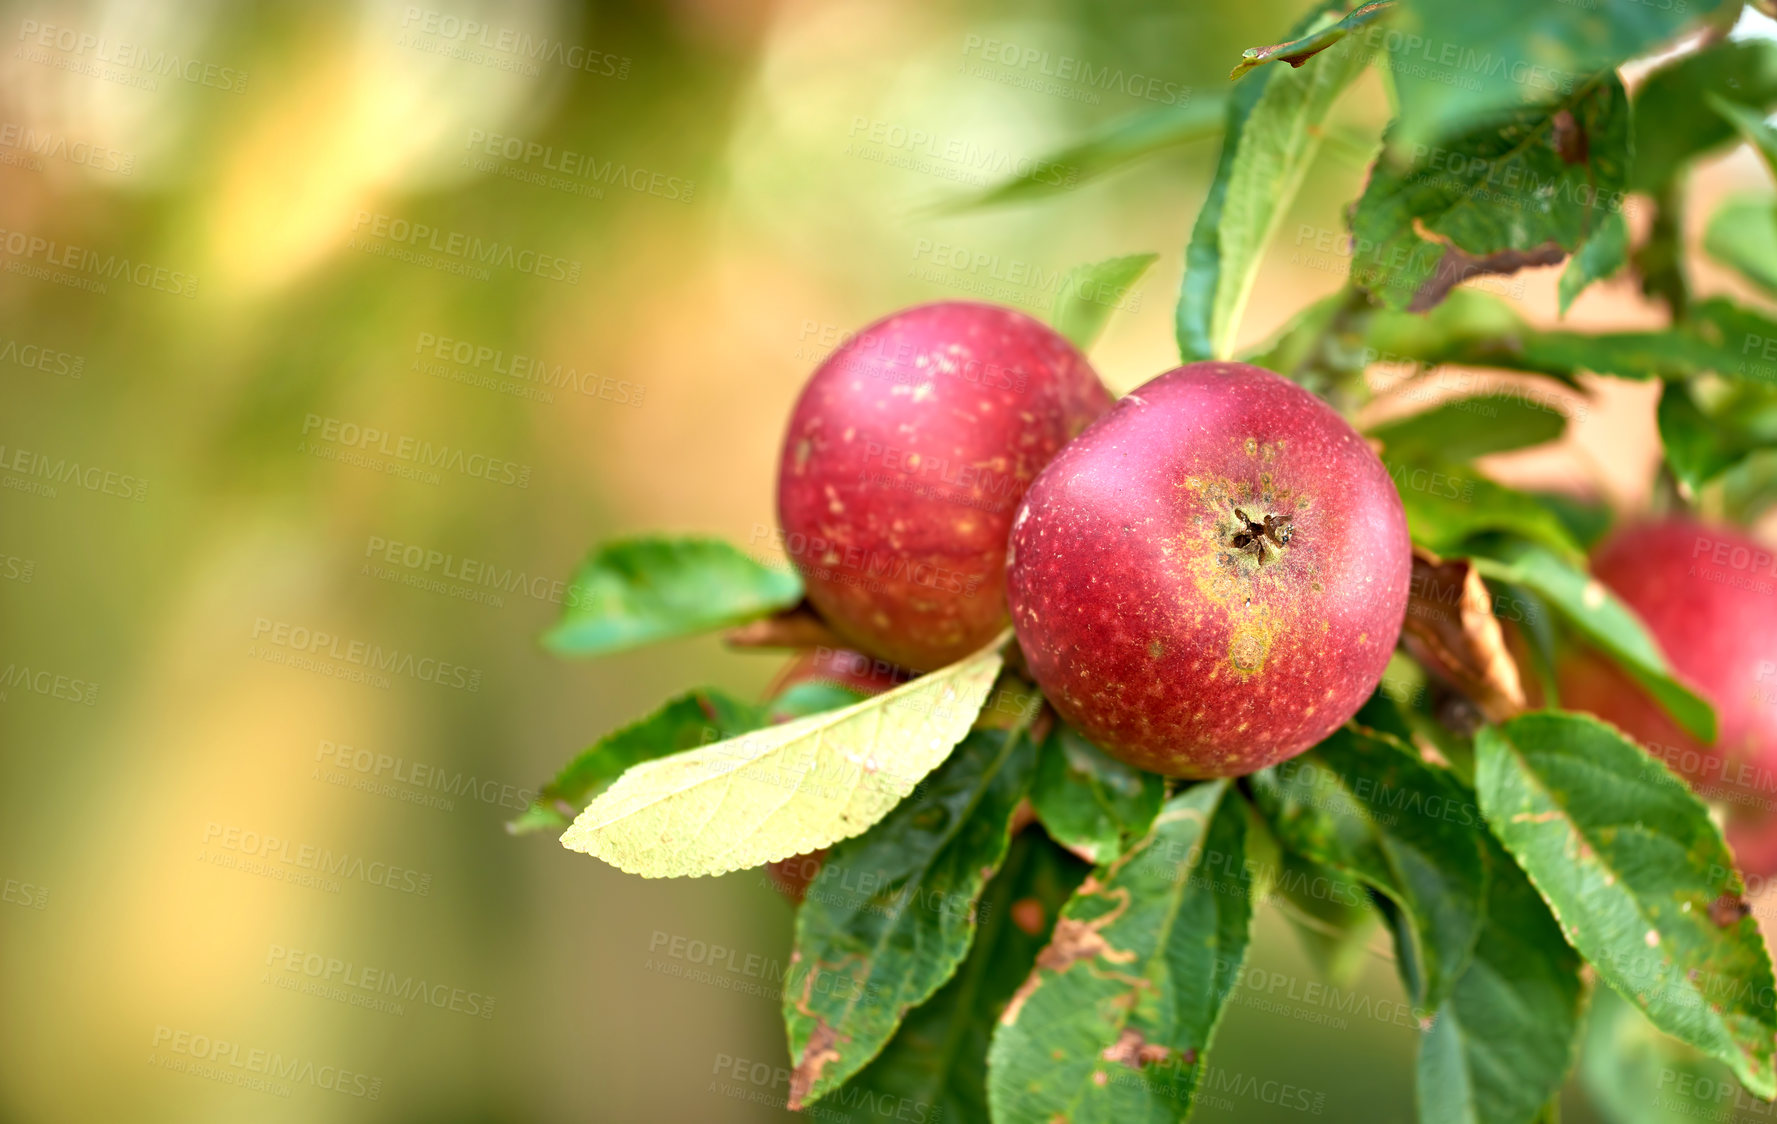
{"x": 1502, "y": 847}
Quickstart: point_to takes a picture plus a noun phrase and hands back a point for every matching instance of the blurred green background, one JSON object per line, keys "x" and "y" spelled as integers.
{"x": 257, "y": 263}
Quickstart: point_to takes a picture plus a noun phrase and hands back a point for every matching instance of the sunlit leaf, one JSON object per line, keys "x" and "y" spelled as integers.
{"x": 691, "y": 720}
{"x": 784, "y": 790}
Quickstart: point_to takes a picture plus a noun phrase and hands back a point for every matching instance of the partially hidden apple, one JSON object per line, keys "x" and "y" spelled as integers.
{"x": 1708, "y": 595}
{"x": 1210, "y": 579}
{"x": 845, "y": 676}
{"x": 904, "y": 460}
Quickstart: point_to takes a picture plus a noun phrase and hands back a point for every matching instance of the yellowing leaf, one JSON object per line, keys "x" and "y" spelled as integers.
{"x": 787, "y": 789}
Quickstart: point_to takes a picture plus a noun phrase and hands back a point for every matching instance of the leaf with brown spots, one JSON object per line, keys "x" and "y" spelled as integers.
{"x": 932, "y": 1069}
{"x": 1729, "y": 909}
{"x": 1634, "y": 870}
{"x": 1111, "y": 1025}
{"x": 1505, "y": 194}
{"x": 892, "y": 913}
{"x": 1451, "y": 630}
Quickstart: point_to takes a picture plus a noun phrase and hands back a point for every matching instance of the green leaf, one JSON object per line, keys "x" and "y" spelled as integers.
{"x": 1330, "y": 913}
{"x": 1113, "y": 1024}
{"x": 1673, "y": 123}
{"x": 891, "y": 914}
{"x": 1524, "y": 189}
{"x": 1468, "y": 328}
{"x": 1455, "y": 64}
{"x": 1385, "y": 709}
{"x": 1600, "y": 256}
{"x": 1470, "y": 427}
{"x": 932, "y": 1069}
{"x": 1639, "y": 878}
{"x": 1743, "y": 343}
{"x": 784, "y": 790}
{"x": 1633, "y": 1074}
{"x": 1502, "y": 1043}
{"x": 1749, "y": 489}
{"x": 1696, "y": 449}
{"x": 1198, "y": 293}
{"x": 1298, "y": 51}
{"x": 1475, "y": 329}
{"x": 1751, "y": 125}
{"x": 811, "y": 697}
{"x": 1090, "y": 802}
{"x": 1275, "y": 145}
{"x": 1638, "y": 356}
{"x": 1117, "y": 145}
{"x": 1447, "y": 505}
{"x": 1363, "y": 805}
{"x": 1742, "y": 235}
{"x": 637, "y": 591}
{"x": 1588, "y": 521}
{"x": 1604, "y": 620}
{"x": 693, "y": 719}
{"x": 1090, "y": 292}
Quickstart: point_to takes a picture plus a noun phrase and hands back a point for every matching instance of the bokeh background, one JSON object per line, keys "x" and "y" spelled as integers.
{"x": 237, "y": 292}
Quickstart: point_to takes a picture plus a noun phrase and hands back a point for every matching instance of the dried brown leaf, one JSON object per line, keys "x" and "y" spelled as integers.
{"x": 1451, "y": 630}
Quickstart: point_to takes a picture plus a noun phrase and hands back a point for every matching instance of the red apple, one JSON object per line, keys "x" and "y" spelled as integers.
{"x": 905, "y": 458}
{"x": 1210, "y": 579}
{"x": 853, "y": 673}
{"x": 1708, "y": 595}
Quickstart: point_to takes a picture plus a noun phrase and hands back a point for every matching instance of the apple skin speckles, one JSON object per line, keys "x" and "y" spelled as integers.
{"x": 903, "y": 465}
{"x": 1201, "y": 578}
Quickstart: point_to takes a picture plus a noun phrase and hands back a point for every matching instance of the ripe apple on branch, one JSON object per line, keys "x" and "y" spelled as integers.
{"x": 1081, "y": 685}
